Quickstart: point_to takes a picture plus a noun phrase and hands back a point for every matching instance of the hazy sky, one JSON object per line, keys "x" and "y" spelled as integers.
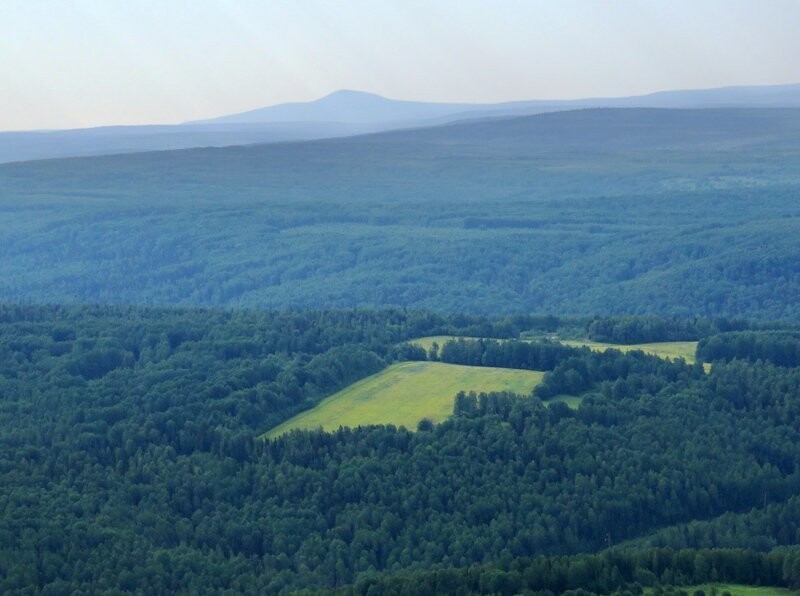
{"x": 76, "y": 63}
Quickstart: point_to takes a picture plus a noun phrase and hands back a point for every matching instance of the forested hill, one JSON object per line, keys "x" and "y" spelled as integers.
{"x": 130, "y": 462}
{"x": 687, "y": 212}
{"x": 609, "y": 129}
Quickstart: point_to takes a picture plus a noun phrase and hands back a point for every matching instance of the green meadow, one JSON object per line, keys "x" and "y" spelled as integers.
{"x": 406, "y": 393}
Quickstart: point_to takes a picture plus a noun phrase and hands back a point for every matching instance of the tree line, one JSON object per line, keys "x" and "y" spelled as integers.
{"x": 618, "y": 572}
{"x": 780, "y": 347}
{"x": 647, "y": 329}
{"x": 570, "y": 370}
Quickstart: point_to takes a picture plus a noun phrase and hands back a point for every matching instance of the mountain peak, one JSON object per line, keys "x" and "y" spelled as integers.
{"x": 349, "y": 97}
{"x": 347, "y": 106}
{"x": 351, "y": 93}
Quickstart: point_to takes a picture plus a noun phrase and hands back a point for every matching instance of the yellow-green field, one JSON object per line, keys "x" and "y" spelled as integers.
{"x": 666, "y": 349}
{"x": 734, "y": 590}
{"x": 405, "y": 393}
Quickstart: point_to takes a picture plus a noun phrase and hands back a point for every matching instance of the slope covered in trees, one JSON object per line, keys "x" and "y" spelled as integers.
{"x": 130, "y": 454}
{"x": 685, "y": 212}
{"x": 622, "y": 573}
{"x": 778, "y": 347}
{"x": 763, "y": 528}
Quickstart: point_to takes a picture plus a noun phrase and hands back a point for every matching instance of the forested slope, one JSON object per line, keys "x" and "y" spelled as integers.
{"x": 663, "y": 572}
{"x": 130, "y": 454}
{"x": 763, "y": 528}
{"x": 687, "y": 212}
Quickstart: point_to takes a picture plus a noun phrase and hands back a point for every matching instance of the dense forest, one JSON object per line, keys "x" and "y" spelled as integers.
{"x": 618, "y": 572}
{"x": 634, "y": 330}
{"x": 781, "y": 347}
{"x": 665, "y": 212}
{"x": 131, "y": 462}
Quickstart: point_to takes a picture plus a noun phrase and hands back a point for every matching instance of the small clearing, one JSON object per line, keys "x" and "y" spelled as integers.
{"x": 406, "y": 393}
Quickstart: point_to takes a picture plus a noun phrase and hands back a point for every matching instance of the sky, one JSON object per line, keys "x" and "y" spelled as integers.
{"x": 82, "y": 63}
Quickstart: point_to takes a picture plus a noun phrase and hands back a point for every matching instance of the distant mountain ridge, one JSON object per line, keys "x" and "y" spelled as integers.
{"x": 347, "y": 113}
{"x": 362, "y": 107}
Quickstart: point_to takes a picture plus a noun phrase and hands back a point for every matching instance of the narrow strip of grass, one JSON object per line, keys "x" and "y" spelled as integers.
{"x": 666, "y": 349}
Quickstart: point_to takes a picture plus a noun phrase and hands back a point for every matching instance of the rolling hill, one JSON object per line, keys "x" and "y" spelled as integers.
{"x": 686, "y": 212}
{"x": 107, "y": 140}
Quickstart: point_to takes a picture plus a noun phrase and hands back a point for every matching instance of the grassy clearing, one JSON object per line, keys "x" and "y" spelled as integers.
{"x": 733, "y": 589}
{"x": 667, "y": 349}
{"x": 405, "y": 393}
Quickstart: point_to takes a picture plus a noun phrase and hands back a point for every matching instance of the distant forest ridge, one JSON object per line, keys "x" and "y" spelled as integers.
{"x": 605, "y": 211}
